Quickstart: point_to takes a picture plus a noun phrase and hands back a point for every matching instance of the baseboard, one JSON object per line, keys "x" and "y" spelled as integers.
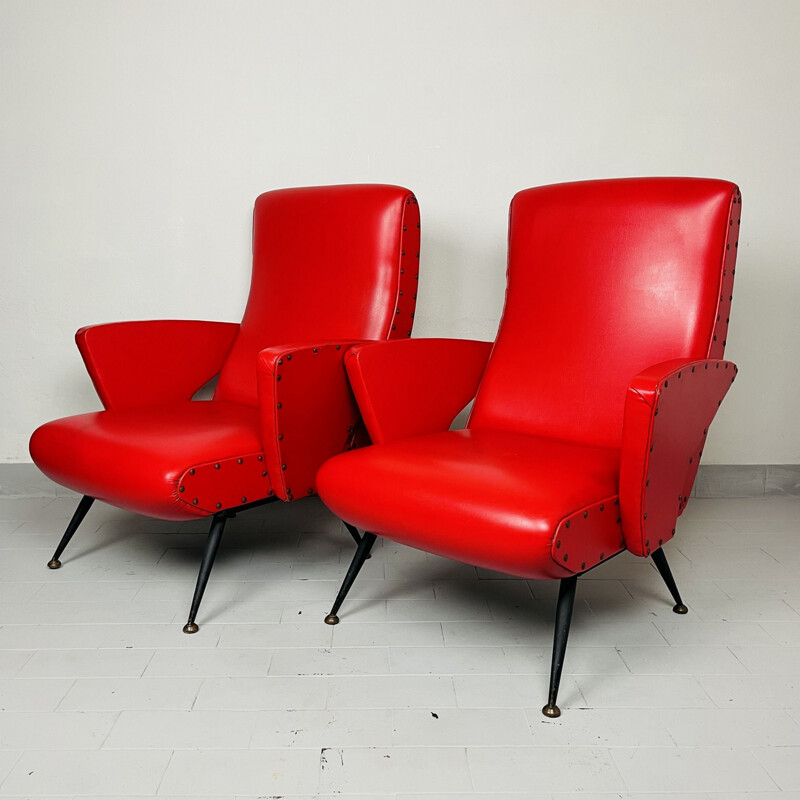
{"x": 747, "y": 480}
{"x": 25, "y": 480}
{"x": 713, "y": 480}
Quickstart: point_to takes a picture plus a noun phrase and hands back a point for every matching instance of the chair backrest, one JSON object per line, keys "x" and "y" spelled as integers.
{"x": 329, "y": 262}
{"x": 606, "y": 278}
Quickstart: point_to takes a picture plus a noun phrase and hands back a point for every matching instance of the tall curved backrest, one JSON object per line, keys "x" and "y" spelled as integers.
{"x": 606, "y": 278}
{"x": 327, "y": 262}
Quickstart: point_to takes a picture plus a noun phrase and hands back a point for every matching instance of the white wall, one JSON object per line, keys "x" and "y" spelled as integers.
{"x": 135, "y": 135}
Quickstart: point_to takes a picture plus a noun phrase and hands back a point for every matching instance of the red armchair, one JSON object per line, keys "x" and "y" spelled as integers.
{"x": 592, "y": 412}
{"x": 332, "y": 266}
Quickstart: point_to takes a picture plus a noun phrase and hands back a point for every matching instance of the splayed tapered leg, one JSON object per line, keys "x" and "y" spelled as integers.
{"x": 353, "y": 531}
{"x": 362, "y": 553}
{"x": 566, "y": 602}
{"x": 660, "y": 560}
{"x": 80, "y": 512}
{"x": 209, "y": 554}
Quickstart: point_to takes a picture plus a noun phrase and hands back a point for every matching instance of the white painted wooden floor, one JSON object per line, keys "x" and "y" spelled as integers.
{"x": 429, "y": 688}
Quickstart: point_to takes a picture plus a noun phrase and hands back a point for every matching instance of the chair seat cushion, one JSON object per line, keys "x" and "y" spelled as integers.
{"x": 135, "y": 458}
{"x": 489, "y": 498}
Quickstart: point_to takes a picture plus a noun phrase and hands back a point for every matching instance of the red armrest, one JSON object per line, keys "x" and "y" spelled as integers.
{"x": 668, "y": 410}
{"x": 156, "y": 361}
{"x": 414, "y": 386}
{"x": 308, "y": 412}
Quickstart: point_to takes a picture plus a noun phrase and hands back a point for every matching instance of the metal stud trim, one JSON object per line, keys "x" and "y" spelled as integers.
{"x": 218, "y": 484}
{"x": 585, "y": 536}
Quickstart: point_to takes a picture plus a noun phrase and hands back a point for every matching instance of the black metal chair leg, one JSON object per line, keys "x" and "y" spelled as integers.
{"x": 209, "y": 554}
{"x": 362, "y": 553}
{"x": 353, "y": 532}
{"x": 660, "y": 560}
{"x": 80, "y": 512}
{"x": 566, "y": 602}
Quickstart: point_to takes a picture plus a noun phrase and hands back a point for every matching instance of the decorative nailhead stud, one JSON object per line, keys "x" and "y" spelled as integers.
{"x": 585, "y": 514}
{"x": 316, "y": 350}
{"x": 238, "y": 460}
{"x": 219, "y": 505}
{"x": 558, "y": 545}
{"x": 280, "y": 437}
{"x": 244, "y": 499}
{"x": 280, "y": 405}
{"x": 191, "y": 472}
{"x": 263, "y": 474}
{"x": 195, "y": 501}
{"x": 289, "y": 357}
{"x": 566, "y": 524}
{"x": 280, "y": 362}
{"x": 216, "y": 466}
{"x": 283, "y": 466}
{"x": 277, "y": 377}
{"x": 261, "y": 458}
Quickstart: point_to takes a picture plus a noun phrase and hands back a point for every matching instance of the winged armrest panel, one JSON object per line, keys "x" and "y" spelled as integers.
{"x": 668, "y": 410}
{"x": 308, "y": 412}
{"x": 414, "y": 386}
{"x": 154, "y": 361}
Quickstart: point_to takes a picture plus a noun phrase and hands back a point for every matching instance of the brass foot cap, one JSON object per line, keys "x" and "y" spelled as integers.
{"x": 331, "y": 619}
{"x": 680, "y": 609}
{"x": 551, "y": 711}
{"x": 54, "y": 564}
{"x": 190, "y": 627}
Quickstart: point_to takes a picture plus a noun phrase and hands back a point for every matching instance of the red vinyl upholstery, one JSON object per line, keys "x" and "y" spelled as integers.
{"x": 331, "y": 266}
{"x": 591, "y": 414}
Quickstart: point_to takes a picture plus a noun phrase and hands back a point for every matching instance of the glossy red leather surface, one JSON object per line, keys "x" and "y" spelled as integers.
{"x": 134, "y": 457}
{"x": 328, "y": 261}
{"x": 668, "y": 410}
{"x": 308, "y": 412}
{"x": 327, "y": 266}
{"x": 143, "y": 363}
{"x": 605, "y": 280}
{"x": 490, "y": 498}
{"x": 415, "y": 386}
